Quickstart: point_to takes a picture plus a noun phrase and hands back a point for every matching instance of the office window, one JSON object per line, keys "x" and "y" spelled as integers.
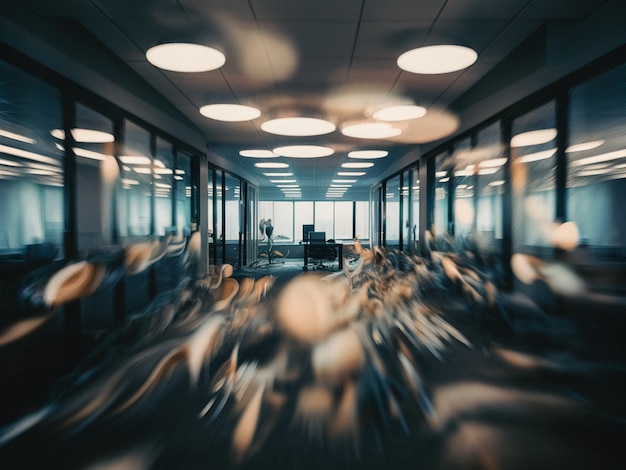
{"x": 596, "y": 156}
{"x": 490, "y": 179}
{"x": 135, "y": 196}
{"x": 343, "y": 220}
{"x": 324, "y": 217}
{"x": 362, "y": 220}
{"x": 461, "y": 180}
{"x": 31, "y": 167}
{"x": 163, "y": 187}
{"x": 232, "y": 229}
{"x": 414, "y": 186}
{"x": 303, "y": 214}
{"x": 533, "y": 152}
{"x": 182, "y": 183}
{"x": 443, "y": 170}
{"x": 392, "y": 213}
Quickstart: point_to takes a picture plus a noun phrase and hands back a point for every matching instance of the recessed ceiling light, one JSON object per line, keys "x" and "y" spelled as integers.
{"x": 584, "y": 146}
{"x": 357, "y": 165}
{"x": 605, "y": 157}
{"x": 287, "y": 185}
{"x": 344, "y": 181}
{"x": 85, "y": 135}
{"x": 371, "y": 130}
{"x": 185, "y": 57}
{"x": 282, "y": 181}
{"x": 9, "y": 162}
{"x": 437, "y": 59}
{"x": 88, "y": 154}
{"x": 230, "y": 112}
{"x": 540, "y": 136}
{"x": 257, "y": 153}
{"x": 368, "y": 154}
{"x": 303, "y": 151}
{"x": 135, "y": 160}
{"x": 298, "y": 126}
{"x": 400, "y": 113}
{"x": 271, "y": 165}
{"x": 278, "y": 174}
{"x": 350, "y": 173}
{"x": 493, "y": 162}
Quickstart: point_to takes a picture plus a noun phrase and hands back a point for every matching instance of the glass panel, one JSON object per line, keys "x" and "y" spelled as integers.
{"x": 414, "y": 182}
{"x": 211, "y": 217}
{"x": 303, "y": 214}
{"x": 163, "y": 187}
{"x": 533, "y": 151}
{"x": 362, "y": 220}
{"x": 219, "y": 227}
{"x": 135, "y": 198}
{"x": 283, "y": 221}
{"x": 463, "y": 185}
{"x": 489, "y": 178}
{"x": 182, "y": 183}
{"x": 392, "y": 213}
{"x": 324, "y": 218}
{"x": 443, "y": 168}
{"x": 596, "y": 184}
{"x": 232, "y": 197}
{"x": 253, "y": 222}
{"x": 97, "y": 172}
{"x": 406, "y": 223}
{"x": 343, "y": 220}
{"x": 31, "y": 170}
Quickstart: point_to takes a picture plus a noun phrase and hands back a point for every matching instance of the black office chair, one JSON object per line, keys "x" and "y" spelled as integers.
{"x": 320, "y": 251}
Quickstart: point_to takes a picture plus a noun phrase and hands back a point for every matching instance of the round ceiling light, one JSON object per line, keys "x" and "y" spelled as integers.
{"x": 437, "y": 59}
{"x": 257, "y": 153}
{"x": 357, "y": 165}
{"x": 540, "y": 136}
{"x": 298, "y": 126}
{"x": 368, "y": 154}
{"x": 271, "y": 165}
{"x": 185, "y": 57}
{"x": 371, "y": 130}
{"x": 230, "y": 112}
{"x": 304, "y": 151}
{"x": 400, "y": 113}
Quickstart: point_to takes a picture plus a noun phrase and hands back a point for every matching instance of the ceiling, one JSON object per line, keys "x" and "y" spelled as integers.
{"x": 334, "y": 59}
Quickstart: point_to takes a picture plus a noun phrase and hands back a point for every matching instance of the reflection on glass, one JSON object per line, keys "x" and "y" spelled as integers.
{"x": 596, "y": 182}
{"x": 443, "y": 170}
{"x": 31, "y": 168}
{"x": 163, "y": 173}
{"x": 134, "y": 206}
{"x": 414, "y": 182}
{"x": 392, "y": 212}
{"x": 533, "y": 178}
{"x": 465, "y": 162}
{"x": 406, "y": 222}
{"x": 232, "y": 197}
{"x": 182, "y": 183}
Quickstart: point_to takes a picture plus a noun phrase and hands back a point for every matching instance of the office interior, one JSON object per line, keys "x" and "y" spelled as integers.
{"x": 161, "y": 200}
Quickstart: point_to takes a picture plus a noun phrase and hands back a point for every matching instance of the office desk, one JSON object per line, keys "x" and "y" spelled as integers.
{"x": 338, "y": 246}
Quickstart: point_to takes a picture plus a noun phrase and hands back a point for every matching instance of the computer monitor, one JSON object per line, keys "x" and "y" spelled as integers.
{"x": 306, "y": 229}
{"x": 317, "y": 237}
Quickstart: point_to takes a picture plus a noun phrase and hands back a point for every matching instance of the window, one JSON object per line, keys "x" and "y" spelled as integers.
{"x": 163, "y": 187}
{"x": 343, "y": 220}
{"x": 461, "y": 180}
{"x": 31, "y": 167}
{"x": 533, "y": 151}
{"x": 596, "y": 156}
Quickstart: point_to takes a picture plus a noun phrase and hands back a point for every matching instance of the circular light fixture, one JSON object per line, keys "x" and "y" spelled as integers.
{"x": 304, "y": 151}
{"x": 298, "y": 126}
{"x": 85, "y": 135}
{"x": 437, "y": 59}
{"x": 357, "y": 165}
{"x": 271, "y": 165}
{"x": 257, "y": 153}
{"x": 371, "y": 130}
{"x": 185, "y": 57}
{"x": 368, "y": 154}
{"x": 540, "y": 136}
{"x": 400, "y": 113}
{"x": 230, "y": 112}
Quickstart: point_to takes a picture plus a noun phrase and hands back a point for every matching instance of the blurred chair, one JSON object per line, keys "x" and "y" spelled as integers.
{"x": 320, "y": 250}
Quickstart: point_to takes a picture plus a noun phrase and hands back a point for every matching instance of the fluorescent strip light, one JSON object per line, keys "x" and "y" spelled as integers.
{"x": 605, "y": 157}
{"x": 14, "y": 136}
{"x": 29, "y": 155}
{"x": 271, "y": 165}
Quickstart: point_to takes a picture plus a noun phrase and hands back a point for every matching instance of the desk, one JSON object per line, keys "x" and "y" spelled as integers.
{"x": 338, "y": 246}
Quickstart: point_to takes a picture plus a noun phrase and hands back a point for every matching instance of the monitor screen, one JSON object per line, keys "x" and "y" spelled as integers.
{"x": 317, "y": 237}
{"x": 306, "y": 229}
